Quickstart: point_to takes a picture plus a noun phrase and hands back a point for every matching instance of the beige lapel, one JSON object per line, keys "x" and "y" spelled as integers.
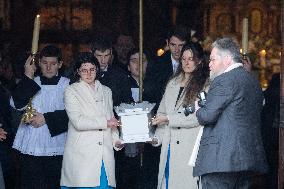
{"x": 92, "y": 95}
{"x": 174, "y": 87}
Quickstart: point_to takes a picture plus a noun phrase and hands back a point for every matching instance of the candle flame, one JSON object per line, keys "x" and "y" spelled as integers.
{"x": 262, "y": 52}
{"x": 160, "y": 52}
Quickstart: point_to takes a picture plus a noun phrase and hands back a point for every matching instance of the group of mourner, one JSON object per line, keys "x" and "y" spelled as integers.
{"x": 73, "y": 141}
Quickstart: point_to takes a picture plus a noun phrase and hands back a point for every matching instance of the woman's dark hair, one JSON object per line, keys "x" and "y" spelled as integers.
{"x": 198, "y": 77}
{"x": 82, "y": 58}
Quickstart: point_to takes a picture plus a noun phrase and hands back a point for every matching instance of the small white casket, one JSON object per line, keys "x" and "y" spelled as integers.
{"x": 135, "y": 121}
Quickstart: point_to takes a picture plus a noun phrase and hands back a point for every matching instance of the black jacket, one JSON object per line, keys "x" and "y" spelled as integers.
{"x": 117, "y": 81}
{"x": 157, "y": 78}
{"x": 5, "y": 111}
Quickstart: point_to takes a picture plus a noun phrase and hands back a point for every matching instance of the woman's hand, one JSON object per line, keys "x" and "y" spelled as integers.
{"x": 118, "y": 144}
{"x": 160, "y": 120}
{"x": 112, "y": 123}
{"x": 154, "y": 141}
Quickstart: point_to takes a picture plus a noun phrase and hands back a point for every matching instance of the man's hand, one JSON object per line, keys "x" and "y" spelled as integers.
{"x": 196, "y": 105}
{"x": 160, "y": 120}
{"x": 3, "y": 134}
{"x": 37, "y": 120}
{"x": 30, "y": 68}
{"x": 112, "y": 123}
{"x": 247, "y": 64}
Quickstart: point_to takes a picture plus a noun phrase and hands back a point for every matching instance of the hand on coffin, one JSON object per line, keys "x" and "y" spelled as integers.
{"x": 118, "y": 144}
{"x": 153, "y": 141}
{"x": 112, "y": 123}
{"x": 160, "y": 120}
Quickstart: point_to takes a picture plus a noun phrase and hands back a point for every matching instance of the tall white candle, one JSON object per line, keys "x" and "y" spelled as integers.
{"x": 245, "y": 36}
{"x": 36, "y": 35}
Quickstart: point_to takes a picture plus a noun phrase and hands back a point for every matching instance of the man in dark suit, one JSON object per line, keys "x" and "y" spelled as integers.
{"x": 167, "y": 64}
{"x": 112, "y": 76}
{"x": 231, "y": 148}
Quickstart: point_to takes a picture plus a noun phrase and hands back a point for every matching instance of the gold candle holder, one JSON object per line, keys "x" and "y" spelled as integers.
{"x": 29, "y": 113}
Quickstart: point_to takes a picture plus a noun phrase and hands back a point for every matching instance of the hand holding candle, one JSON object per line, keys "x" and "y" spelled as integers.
{"x": 35, "y": 35}
{"x": 245, "y": 37}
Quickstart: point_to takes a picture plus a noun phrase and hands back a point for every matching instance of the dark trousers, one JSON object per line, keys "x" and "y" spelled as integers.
{"x": 129, "y": 174}
{"x": 150, "y": 169}
{"x": 128, "y": 171}
{"x": 40, "y": 172}
{"x": 229, "y": 180}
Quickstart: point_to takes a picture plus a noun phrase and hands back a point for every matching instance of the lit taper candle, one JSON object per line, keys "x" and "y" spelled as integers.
{"x": 36, "y": 35}
{"x": 245, "y": 37}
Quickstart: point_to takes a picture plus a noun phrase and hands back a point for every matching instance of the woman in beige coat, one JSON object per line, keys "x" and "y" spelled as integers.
{"x": 88, "y": 159}
{"x": 177, "y": 132}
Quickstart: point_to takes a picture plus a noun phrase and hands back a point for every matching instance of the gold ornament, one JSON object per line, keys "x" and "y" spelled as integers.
{"x": 29, "y": 113}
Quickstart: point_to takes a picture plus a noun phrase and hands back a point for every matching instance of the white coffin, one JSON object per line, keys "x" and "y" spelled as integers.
{"x": 135, "y": 119}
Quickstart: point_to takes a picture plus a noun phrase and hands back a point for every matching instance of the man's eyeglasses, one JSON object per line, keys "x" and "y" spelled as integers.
{"x": 86, "y": 71}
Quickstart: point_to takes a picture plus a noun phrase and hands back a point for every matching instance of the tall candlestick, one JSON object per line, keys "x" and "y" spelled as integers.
{"x": 36, "y": 34}
{"x": 245, "y": 36}
{"x": 262, "y": 58}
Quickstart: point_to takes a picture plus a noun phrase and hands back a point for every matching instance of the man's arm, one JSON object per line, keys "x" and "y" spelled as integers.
{"x": 219, "y": 96}
{"x": 57, "y": 122}
{"x": 27, "y": 87}
{"x": 25, "y": 90}
{"x": 125, "y": 89}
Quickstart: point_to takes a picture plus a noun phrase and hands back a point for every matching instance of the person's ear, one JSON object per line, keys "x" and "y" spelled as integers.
{"x": 167, "y": 42}
{"x": 60, "y": 64}
{"x": 228, "y": 60}
{"x": 128, "y": 67}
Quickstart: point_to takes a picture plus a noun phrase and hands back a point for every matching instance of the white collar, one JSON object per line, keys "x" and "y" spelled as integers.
{"x": 233, "y": 66}
{"x": 174, "y": 63}
{"x": 105, "y": 69}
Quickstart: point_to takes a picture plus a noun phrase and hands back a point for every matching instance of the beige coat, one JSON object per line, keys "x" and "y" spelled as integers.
{"x": 180, "y": 133}
{"x": 89, "y": 141}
